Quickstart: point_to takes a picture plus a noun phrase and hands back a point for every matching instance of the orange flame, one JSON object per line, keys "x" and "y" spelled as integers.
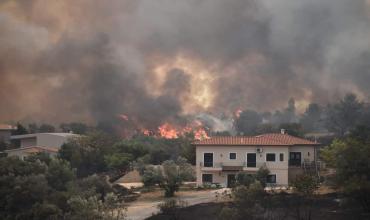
{"x": 170, "y": 131}
{"x": 200, "y": 134}
{"x": 167, "y": 131}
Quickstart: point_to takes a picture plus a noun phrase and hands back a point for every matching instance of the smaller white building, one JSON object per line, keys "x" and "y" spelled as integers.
{"x": 49, "y": 143}
{"x": 55, "y": 140}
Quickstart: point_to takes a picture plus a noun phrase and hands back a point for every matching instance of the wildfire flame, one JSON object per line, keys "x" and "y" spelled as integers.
{"x": 167, "y": 131}
{"x": 170, "y": 131}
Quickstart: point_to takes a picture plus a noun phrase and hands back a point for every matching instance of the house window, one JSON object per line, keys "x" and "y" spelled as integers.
{"x": 271, "y": 178}
{"x": 207, "y": 178}
{"x": 232, "y": 156}
{"x": 251, "y": 160}
{"x": 270, "y": 157}
{"x": 208, "y": 159}
{"x": 281, "y": 157}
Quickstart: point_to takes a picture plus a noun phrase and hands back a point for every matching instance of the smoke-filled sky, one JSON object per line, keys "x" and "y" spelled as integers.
{"x": 89, "y": 60}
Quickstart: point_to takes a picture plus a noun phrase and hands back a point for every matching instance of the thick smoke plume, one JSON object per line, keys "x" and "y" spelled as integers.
{"x": 155, "y": 61}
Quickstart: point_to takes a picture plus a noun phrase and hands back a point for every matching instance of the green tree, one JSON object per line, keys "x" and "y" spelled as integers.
{"x": 173, "y": 175}
{"x": 59, "y": 174}
{"x": 87, "y": 153}
{"x": 248, "y": 200}
{"x": 92, "y": 208}
{"x": 343, "y": 116}
{"x": 304, "y": 186}
{"x": 119, "y": 162}
{"x": 262, "y": 174}
{"x": 40, "y": 156}
{"x": 245, "y": 179}
{"x": 152, "y": 176}
{"x": 350, "y": 157}
{"x": 20, "y": 194}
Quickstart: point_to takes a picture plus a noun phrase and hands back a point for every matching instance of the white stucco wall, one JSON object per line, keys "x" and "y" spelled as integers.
{"x": 50, "y": 140}
{"x": 221, "y": 155}
{"x": 29, "y": 142}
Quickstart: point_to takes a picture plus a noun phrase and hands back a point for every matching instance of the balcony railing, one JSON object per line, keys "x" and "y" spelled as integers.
{"x": 306, "y": 164}
{"x": 244, "y": 165}
{"x": 295, "y": 163}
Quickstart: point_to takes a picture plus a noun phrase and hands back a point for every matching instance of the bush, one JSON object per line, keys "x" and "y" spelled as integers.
{"x": 262, "y": 174}
{"x": 152, "y": 176}
{"x": 245, "y": 179}
{"x": 248, "y": 200}
{"x": 171, "y": 207}
{"x": 228, "y": 213}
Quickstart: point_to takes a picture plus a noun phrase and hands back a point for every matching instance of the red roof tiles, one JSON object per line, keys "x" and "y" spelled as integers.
{"x": 260, "y": 140}
{"x": 6, "y": 127}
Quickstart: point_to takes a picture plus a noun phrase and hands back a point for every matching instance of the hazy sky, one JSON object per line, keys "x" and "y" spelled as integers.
{"x": 157, "y": 60}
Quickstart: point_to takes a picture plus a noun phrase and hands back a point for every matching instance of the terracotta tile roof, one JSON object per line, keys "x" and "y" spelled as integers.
{"x": 260, "y": 140}
{"x": 35, "y": 149}
{"x": 6, "y": 127}
{"x": 289, "y": 139}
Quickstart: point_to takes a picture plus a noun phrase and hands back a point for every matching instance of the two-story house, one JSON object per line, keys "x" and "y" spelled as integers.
{"x": 219, "y": 159}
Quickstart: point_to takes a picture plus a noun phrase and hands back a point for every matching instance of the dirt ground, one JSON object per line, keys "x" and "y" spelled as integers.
{"x": 147, "y": 203}
{"x": 326, "y": 206}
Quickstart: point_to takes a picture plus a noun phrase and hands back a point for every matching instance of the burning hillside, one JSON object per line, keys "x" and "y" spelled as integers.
{"x": 166, "y": 130}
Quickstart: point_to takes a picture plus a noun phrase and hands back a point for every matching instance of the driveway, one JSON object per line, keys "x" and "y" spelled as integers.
{"x": 147, "y": 204}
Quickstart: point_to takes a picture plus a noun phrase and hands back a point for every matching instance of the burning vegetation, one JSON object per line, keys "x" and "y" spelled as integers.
{"x": 167, "y": 130}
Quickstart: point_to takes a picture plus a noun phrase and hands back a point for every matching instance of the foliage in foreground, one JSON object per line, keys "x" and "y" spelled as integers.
{"x": 171, "y": 207}
{"x": 350, "y": 158}
{"x": 251, "y": 201}
{"x": 169, "y": 176}
{"x": 33, "y": 189}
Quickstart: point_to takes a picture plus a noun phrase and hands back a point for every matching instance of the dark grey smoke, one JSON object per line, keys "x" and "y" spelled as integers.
{"x": 92, "y": 60}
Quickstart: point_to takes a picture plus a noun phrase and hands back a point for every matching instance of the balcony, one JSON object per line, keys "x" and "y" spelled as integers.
{"x": 295, "y": 163}
{"x": 231, "y": 166}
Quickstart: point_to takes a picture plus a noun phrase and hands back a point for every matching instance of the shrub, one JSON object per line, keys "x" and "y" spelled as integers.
{"x": 228, "y": 213}
{"x": 171, "y": 207}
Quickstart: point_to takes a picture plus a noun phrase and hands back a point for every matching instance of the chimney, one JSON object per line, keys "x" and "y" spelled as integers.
{"x": 282, "y": 131}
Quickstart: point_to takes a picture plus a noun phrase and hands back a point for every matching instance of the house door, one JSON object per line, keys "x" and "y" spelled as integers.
{"x": 231, "y": 180}
{"x": 295, "y": 158}
{"x": 251, "y": 160}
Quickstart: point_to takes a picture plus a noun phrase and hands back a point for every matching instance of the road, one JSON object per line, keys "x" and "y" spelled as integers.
{"x": 147, "y": 206}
